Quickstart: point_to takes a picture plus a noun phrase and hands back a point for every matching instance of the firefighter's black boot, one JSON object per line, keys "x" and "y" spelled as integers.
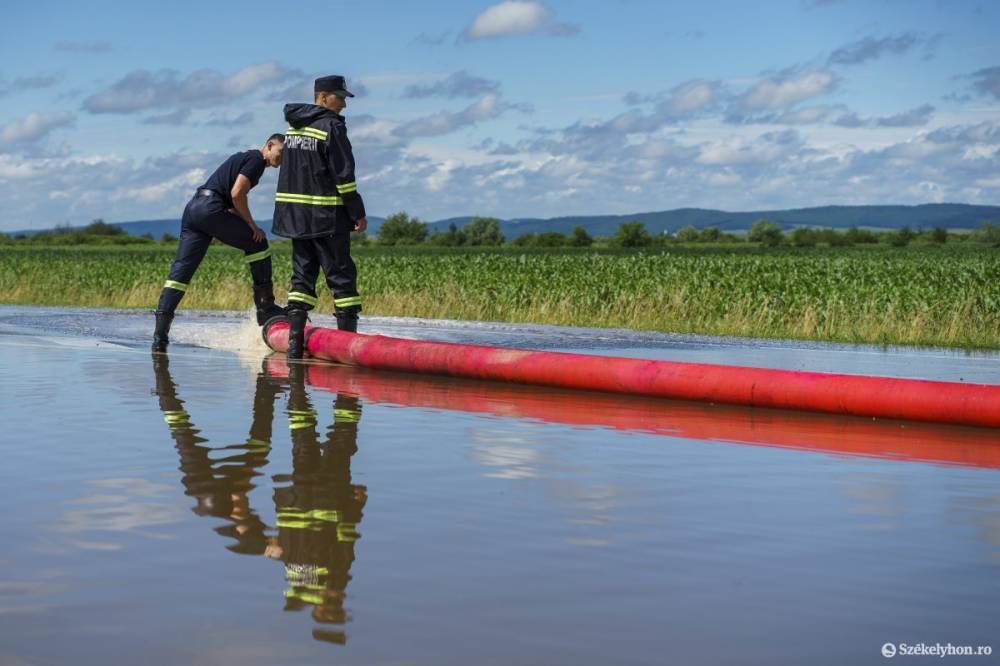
{"x": 297, "y": 374}
{"x": 296, "y": 333}
{"x": 162, "y": 331}
{"x": 347, "y": 321}
{"x": 263, "y": 298}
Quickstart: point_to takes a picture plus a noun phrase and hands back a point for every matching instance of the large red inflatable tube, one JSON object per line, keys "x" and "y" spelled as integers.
{"x": 881, "y": 397}
{"x": 844, "y": 435}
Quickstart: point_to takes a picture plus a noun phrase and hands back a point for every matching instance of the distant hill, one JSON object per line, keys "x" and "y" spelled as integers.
{"x": 156, "y": 228}
{"x": 925, "y": 216}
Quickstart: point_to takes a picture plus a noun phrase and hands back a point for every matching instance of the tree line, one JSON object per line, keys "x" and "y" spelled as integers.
{"x": 97, "y": 232}
{"x": 400, "y": 229}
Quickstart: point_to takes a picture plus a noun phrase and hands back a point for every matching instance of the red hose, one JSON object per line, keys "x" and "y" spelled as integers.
{"x": 859, "y": 395}
{"x": 843, "y": 435}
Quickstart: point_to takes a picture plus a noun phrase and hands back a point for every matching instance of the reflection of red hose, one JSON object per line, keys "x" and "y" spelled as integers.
{"x": 884, "y": 397}
{"x": 798, "y": 430}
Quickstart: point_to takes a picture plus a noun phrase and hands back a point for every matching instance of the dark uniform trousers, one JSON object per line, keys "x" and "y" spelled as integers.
{"x": 221, "y": 478}
{"x": 333, "y": 254}
{"x": 319, "y": 508}
{"x": 205, "y": 218}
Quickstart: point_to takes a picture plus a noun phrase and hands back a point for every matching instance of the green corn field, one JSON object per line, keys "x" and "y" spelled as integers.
{"x": 928, "y": 295}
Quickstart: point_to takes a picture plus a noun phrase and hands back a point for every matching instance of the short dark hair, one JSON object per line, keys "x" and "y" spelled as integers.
{"x": 277, "y": 136}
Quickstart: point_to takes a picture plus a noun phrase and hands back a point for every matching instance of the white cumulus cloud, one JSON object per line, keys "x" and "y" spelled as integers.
{"x": 516, "y": 17}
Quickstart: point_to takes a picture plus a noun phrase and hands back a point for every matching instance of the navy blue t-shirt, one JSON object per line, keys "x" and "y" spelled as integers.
{"x": 250, "y": 163}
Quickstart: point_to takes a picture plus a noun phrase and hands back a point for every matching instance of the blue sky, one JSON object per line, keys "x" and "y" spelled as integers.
{"x": 514, "y": 109}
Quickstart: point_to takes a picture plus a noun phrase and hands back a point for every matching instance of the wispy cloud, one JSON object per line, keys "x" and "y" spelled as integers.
{"x": 244, "y": 118}
{"x": 432, "y": 39}
{"x": 141, "y": 89}
{"x": 688, "y": 99}
{"x": 782, "y": 90}
{"x": 692, "y": 97}
{"x": 488, "y": 107}
{"x": 917, "y": 117}
{"x": 178, "y": 117}
{"x": 872, "y": 48}
{"x": 459, "y": 84}
{"x": 33, "y": 127}
{"x": 987, "y": 82}
{"x": 986, "y": 133}
{"x": 36, "y": 82}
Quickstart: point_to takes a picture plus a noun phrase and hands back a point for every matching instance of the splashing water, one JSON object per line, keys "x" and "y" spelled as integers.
{"x": 241, "y": 336}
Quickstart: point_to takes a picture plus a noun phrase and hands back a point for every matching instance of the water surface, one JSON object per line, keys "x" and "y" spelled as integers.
{"x": 220, "y": 507}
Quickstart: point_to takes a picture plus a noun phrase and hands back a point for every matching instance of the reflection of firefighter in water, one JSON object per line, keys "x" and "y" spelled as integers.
{"x": 318, "y": 511}
{"x": 220, "y": 483}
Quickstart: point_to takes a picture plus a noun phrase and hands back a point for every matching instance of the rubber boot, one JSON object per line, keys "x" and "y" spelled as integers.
{"x": 347, "y": 321}
{"x": 162, "y": 331}
{"x": 296, "y": 333}
{"x": 263, "y": 298}
{"x": 297, "y": 374}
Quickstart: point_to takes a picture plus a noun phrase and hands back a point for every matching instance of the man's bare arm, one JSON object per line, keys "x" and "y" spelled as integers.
{"x": 239, "y": 192}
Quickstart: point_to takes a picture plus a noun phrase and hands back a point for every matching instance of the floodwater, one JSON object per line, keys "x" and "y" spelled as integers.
{"x": 216, "y": 506}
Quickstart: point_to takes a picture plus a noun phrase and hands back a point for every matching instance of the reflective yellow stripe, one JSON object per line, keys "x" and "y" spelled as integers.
{"x": 302, "y": 298}
{"x": 179, "y": 286}
{"x": 314, "y": 572}
{"x": 347, "y": 301}
{"x": 307, "y": 518}
{"x": 348, "y": 187}
{"x": 301, "y": 195}
{"x": 292, "y": 512}
{"x": 257, "y": 256}
{"x": 310, "y": 198}
{"x": 347, "y": 532}
{"x": 176, "y": 417}
{"x": 307, "y": 597}
{"x": 317, "y": 200}
{"x": 347, "y": 415}
{"x": 298, "y": 524}
{"x": 301, "y": 418}
{"x": 308, "y": 131}
{"x": 257, "y": 445}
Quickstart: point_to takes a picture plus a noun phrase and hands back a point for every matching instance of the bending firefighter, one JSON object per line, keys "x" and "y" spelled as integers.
{"x": 317, "y": 205}
{"x": 219, "y": 210}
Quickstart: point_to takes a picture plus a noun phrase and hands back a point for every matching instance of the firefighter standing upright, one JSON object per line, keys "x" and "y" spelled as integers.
{"x": 317, "y": 205}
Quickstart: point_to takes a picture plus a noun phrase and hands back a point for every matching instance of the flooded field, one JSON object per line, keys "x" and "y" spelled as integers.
{"x": 216, "y": 506}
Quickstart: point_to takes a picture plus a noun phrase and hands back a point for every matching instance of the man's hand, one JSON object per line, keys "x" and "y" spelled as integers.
{"x": 361, "y": 225}
{"x": 258, "y": 235}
